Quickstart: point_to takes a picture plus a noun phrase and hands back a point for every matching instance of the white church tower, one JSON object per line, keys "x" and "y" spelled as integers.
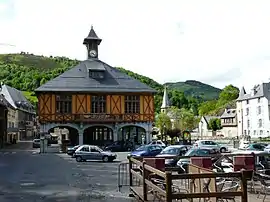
{"x": 165, "y": 102}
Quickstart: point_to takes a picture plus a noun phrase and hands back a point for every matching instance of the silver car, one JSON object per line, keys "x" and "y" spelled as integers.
{"x": 91, "y": 152}
{"x": 211, "y": 145}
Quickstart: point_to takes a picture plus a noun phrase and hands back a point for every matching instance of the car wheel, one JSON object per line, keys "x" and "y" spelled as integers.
{"x": 105, "y": 159}
{"x": 222, "y": 150}
{"x": 79, "y": 159}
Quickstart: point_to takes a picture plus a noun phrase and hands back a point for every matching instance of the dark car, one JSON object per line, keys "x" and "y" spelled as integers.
{"x": 146, "y": 151}
{"x": 183, "y": 163}
{"x": 173, "y": 151}
{"x": 256, "y": 146}
{"x": 71, "y": 150}
{"x": 119, "y": 146}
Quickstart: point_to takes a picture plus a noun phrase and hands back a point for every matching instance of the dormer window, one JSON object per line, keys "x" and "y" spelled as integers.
{"x": 96, "y": 74}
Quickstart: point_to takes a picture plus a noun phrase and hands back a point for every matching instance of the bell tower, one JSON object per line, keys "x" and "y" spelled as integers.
{"x": 92, "y": 42}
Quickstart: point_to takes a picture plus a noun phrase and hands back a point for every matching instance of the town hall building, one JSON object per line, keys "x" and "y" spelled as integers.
{"x": 96, "y": 102}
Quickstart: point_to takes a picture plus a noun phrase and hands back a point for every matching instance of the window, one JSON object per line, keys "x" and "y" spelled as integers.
{"x": 259, "y": 100}
{"x": 248, "y": 123}
{"x": 259, "y": 110}
{"x": 63, "y": 103}
{"x": 132, "y": 104}
{"x": 254, "y": 132}
{"x": 247, "y": 111}
{"x": 260, "y": 123}
{"x": 261, "y": 132}
{"x": 247, "y": 102}
{"x": 98, "y": 104}
{"x": 96, "y": 74}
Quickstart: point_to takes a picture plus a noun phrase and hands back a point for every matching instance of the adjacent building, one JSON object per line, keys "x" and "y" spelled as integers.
{"x": 96, "y": 102}
{"x": 3, "y": 120}
{"x": 203, "y": 129}
{"x": 21, "y": 114}
{"x": 253, "y": 111}
{"x": 229, "y": 123}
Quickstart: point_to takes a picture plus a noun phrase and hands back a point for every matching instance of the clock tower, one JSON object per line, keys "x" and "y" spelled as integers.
{"x": 92, "y": 41}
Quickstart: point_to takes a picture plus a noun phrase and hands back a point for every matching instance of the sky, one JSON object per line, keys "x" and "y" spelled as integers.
{"x": 218, "y": 42}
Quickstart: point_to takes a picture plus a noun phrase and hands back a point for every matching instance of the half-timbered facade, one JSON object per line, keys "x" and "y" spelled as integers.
{"x": 97, "y": 102}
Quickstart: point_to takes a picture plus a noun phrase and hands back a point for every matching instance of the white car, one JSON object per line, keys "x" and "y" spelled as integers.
{"x": 158, "y": 142}
{"x": 210, "y": 144}
{"x": 244, "y": 144}
{"x": 267, "y": 149}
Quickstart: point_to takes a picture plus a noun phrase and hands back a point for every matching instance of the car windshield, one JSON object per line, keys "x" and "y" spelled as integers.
{"x": 76, "y": 147}
{"x": 190, "y": 152}
{"x": 171, "y": 150}
{"x": 141, "y": 148}
{"x": 98, "y": 149}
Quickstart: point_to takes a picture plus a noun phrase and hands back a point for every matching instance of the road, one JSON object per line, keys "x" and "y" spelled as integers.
{"x": 33, "y": 177}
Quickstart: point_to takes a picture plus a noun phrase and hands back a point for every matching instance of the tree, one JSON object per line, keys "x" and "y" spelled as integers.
{"x": 206, "y": 107}
{"x": 228, "y": 93}
{"x": 214, "y": 125}
{"x": 184, "y": 119}
{"x": 163, "y": 122}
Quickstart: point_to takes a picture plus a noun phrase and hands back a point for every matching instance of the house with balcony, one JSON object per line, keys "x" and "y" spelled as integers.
{"x": 253, "y": 111}
{"x": 96, "y": 102}
{"x": 21, "y": 114}
{"x": 229, "y": 123}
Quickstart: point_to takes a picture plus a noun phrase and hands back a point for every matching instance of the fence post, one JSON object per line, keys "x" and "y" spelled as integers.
{"x": 144, "y": 184}
{"x": 244, "y": 185}
{"x": 130, "y": 174}
{"x": 168, "y": 180}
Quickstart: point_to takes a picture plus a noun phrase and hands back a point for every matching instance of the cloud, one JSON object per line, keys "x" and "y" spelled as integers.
{"x": 175, "y": 41}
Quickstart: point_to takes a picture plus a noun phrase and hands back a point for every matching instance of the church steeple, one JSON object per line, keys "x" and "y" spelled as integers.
{"x": 92, "y": 42}
{"x": 165, "y": 102}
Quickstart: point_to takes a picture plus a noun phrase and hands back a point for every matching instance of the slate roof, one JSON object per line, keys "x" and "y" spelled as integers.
{"x": 208, "y": 118}
{"x": 3, "y": 101}
{"x": 262, "y": 90}
{"x": 77, "y": 80}
{"x": 16, "y": 99}
{"x": 229, "y": 113}
{"x": 165, "y": 100}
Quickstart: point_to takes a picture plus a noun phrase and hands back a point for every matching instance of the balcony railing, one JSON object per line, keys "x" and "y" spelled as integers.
{"x": 95, "y": 117}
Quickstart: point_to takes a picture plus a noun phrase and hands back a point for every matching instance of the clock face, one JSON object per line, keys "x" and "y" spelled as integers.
{"x": 93, "y": 53}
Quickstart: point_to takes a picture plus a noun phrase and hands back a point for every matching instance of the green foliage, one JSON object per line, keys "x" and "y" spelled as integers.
{"x": 185, "y": 119}
{"x": 196, "y": 89}
{"x": 163, "y": 122}
{"x": 226, "y": 99}
{"x": 214, "y": 124}
{"x": 31, "y": 97}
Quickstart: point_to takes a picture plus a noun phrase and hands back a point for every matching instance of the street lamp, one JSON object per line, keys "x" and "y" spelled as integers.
{"x": 164, "y": 132}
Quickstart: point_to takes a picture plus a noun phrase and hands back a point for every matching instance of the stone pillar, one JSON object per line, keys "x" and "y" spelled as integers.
{"x": 115, "y": 133}
{"x": 80, "y": 137}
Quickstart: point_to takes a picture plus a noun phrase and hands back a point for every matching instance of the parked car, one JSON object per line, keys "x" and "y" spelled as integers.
{"x": 183, "y": 163}
{"x": 256, "y": 146}
{"x": 71, "y": 150}
{"x": 146, "y": 151}
{"x": 158, "y": 142}
{"x": 211, "y": 145}
{"x": 36, "y": 143}
{"x": 244, "y": 144}
{"x": 91, "y": 152}
{"x": 173, "y": 151}
{"x": 119, "y": 146}
{"x": 267, "y": 149}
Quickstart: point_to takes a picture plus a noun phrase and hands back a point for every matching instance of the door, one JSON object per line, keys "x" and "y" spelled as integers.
{"x": 85, "y": 153}
{"x": 96, "y": 153}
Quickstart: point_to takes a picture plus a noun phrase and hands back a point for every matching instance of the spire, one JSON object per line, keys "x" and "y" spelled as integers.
{"x": 242, "y": 91}
{"x": 92, "y": 36}
{"x": 165, "y": 102}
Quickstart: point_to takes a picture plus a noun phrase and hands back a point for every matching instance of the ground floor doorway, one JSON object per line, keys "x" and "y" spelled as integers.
{"x": 136, "y": 135}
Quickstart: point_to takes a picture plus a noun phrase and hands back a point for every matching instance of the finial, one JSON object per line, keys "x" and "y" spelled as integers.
{"x": 91, "y": 26}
